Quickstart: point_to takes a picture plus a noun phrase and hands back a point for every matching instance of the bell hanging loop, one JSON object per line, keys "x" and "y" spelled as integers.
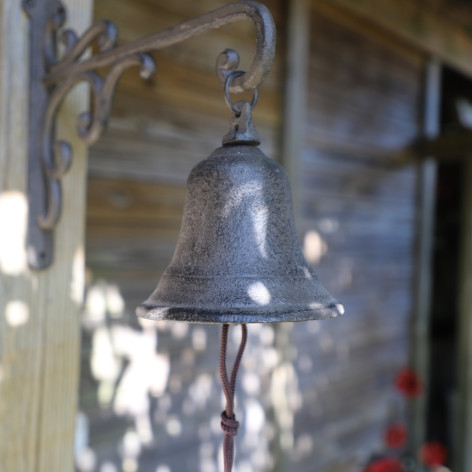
{"x": 229, "y": 102}
{"x": 242, "y": 130}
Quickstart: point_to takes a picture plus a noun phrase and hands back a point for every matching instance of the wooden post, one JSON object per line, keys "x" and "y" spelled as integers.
{"x": 39, "y": 322}
{"x": 293, "y": 133}
{"x": 297, "y": 58}
{"x": 426, "y": 189}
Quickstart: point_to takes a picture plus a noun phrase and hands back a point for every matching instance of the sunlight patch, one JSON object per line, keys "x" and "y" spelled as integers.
{"x": 259, "y": 293}
{"x": 16, "y": 313}
{"x": 314, "y": 248}
{"x": 14, "y": 210}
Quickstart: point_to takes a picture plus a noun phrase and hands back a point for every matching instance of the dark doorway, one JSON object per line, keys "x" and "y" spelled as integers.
{"x": 442, "y": 391}
{"x": 442, "y": 394}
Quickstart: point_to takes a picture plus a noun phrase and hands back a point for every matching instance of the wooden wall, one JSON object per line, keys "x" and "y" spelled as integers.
{"x": 314, "y": 396}
{"x": 357, "y": 220}
{"x": 39, "y": 310}
{"x": 136, "y": 188}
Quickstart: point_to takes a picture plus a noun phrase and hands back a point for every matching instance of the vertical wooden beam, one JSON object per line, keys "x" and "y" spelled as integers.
{"x": 293, "y": 133}
{"x": 427, "y": 187}
{"x": 294, "y": 119}
{"x": 39, "y": 311}
{"x": 463, "y": 439}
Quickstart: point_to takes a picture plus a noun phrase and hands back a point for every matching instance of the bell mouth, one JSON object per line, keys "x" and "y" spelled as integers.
{"x": 155, "y": 312}
{"x": 236, "y": 316}
{"x": 240, "y": 299}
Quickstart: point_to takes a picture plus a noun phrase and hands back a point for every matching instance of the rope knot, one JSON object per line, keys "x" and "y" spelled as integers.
{"x": 229, "y": 425}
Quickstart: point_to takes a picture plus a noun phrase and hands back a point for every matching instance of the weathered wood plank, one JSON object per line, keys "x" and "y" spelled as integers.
{"x": 200, "y": 51}
{"x": 363, "y": 95}
{"x": 157, "y": 132}
{"x": 20, "y": 325}
{"x": 40, "y": 328}
{"x": 418, "y": 25}
{"x": 181, "y": 86}
{"x": 376, "y": 34}
{"x": 357, "y": 226}
{"x": 297, "y": 58}
{"x": 113, "y": 200}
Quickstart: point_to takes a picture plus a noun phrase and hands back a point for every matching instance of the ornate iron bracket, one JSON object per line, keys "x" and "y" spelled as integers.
{"x": 53, "y": 75}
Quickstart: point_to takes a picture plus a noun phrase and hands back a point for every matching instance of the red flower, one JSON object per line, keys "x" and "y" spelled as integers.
{"x": 395, "y": 436}
{"x": 385, "y": 464}
{"x": 433, "y": 453}
{"x": 409, "y": 383}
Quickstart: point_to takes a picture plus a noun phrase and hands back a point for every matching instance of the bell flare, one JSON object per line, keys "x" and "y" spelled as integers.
{"x": 239, "y": 300}
{"x": 238, "y": 258}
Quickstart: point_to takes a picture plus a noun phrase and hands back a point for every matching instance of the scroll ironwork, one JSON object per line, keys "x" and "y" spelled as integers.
{"x": 54, "y": 75}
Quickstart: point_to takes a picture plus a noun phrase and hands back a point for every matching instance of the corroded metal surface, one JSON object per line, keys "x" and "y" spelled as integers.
{"x": 39, "y": 249}
{"x": 242, "y": 129}
{"x": 238, "y": 257}
{"x": 56, "y": 75}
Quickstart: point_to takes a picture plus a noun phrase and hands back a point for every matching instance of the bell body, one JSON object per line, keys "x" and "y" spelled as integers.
{"x": 238, "y": 257}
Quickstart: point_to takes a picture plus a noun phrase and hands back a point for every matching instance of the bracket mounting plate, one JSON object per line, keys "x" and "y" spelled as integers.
{"x": 40, "y": 241}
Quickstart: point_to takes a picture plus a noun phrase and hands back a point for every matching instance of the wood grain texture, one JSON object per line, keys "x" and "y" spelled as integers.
{"x": 419, "y": 24}
{"x": 39, "y": 327}
{"x": 20, "y": 345}
{"x": 357, "y": 229}
{"x": 136, "y": 188}
{"x": 328, "y": 393}
{"x": 295, "y": 113}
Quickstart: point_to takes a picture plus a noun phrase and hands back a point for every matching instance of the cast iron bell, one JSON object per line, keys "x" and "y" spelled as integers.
{"x": 238, "y": 257}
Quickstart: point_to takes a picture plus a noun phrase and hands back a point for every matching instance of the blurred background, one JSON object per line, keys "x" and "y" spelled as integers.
{"x": 353, "y": 93}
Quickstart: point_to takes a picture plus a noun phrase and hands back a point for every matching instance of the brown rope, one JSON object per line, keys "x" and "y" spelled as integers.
{"x": 229, "y": 425}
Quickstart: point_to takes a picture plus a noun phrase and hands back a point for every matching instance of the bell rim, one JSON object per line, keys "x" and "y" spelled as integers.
{"x": 232, "y": 316}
